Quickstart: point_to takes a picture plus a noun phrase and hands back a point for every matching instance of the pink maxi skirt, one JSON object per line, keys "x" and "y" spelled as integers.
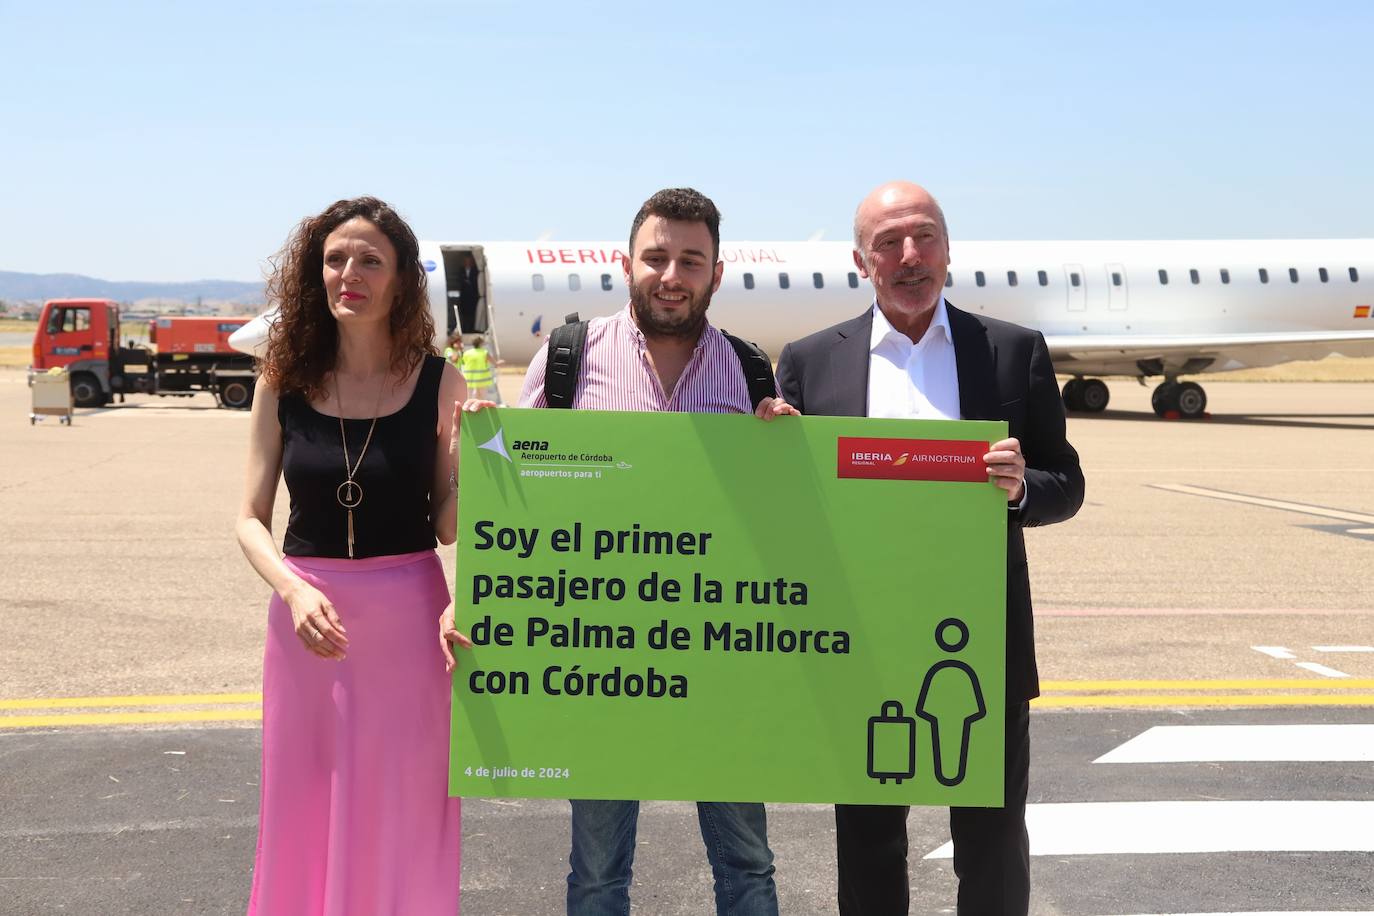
{"x": 355, "y": 817}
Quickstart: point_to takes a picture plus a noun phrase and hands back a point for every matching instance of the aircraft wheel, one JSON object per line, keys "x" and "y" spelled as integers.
{"x": 1165, "y": 398}
{"x": 1073, "y": 390}
{"x": 86, "y": 390}
{"x": 1094, "y": 395}
{"x": 1191, "y": 400}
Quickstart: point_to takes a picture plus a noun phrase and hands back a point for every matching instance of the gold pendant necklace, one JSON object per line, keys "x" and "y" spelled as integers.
{"x": 350, "y": 492}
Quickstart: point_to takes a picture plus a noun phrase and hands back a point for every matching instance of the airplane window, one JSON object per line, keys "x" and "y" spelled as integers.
{"x": 748, "y": 281}
{"x": 1292, "y": 275}
{"x": 783, "y": 281}
{"x": 1225, "y": 275}
{"x": 1074, "y": 280}
{"x": 1163, "y": 278}
{"x": 1043, "y": 277}
{"x": 1116, "y": 279}
{"x": 1354, "y": 275}
{"x": 949, "y": 280}
{"x": 853, "y": 280}
{"x": 1193, "y": 275}
{"x": 537, "y": 281}
{"x": 979, "y": 278}
{"x": 1011, "y": 278}
{"x": 1264, "y": 275}
{"x": 818, "y": 281}
{"x": 574, "y": 282}
{"x": 1323, "y": 275}
{"x": 606, "y": 282}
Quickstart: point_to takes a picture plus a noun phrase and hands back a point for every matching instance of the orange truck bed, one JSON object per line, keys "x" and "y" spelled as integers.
{"x": 193, "y": 334}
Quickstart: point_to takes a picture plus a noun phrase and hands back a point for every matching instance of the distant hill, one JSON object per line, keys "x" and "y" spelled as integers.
{"x": 22, "y": 286}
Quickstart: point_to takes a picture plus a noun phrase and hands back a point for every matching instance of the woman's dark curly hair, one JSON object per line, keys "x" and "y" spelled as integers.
{"x": 304, "y": 340}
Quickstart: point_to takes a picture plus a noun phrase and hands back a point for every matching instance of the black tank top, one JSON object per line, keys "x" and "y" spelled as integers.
{"x": 396, "y": 475}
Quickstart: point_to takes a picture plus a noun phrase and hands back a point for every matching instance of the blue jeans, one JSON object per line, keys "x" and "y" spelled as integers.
{"x": 603, "y": 851}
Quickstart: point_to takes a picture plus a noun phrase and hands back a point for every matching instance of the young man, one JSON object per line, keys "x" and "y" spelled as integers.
{"x": 914, "y": 355}
{"x": 660, "y": 353}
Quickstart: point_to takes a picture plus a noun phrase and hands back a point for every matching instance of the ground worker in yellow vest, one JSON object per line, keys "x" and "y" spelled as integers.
{"x": 479, "y": 371}
{"x": 453, "y": 350}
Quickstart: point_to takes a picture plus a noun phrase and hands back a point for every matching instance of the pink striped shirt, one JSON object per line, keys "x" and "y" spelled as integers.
{"x": 616, "y": 373}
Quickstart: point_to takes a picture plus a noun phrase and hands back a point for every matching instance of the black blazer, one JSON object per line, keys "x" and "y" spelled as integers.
{"x": 1005, "y": 373}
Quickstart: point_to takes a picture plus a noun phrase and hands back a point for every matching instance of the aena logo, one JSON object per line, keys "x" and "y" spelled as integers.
{"x": 497, "y": 444}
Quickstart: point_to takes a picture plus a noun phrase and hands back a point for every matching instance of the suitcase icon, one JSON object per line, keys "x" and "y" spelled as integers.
{"x": 891, "y": 744}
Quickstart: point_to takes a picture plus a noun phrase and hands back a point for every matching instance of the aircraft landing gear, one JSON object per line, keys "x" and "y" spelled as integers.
{"x": 1187, "y": 399}
{"x": 1086, "y": 395}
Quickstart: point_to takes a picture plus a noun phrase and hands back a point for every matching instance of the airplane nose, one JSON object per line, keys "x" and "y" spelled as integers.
{"x": 252, "y": 337}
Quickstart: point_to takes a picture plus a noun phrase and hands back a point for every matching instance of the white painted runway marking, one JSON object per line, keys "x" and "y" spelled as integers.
{"x": 1344, "y": 648}
{"x": 1134, "y": 828}
{"x": 1304, "y": 508}
{"x": 1274, "y": 651}
{"x": 1214, "y": 743}
{"x": 1324, "y": 671}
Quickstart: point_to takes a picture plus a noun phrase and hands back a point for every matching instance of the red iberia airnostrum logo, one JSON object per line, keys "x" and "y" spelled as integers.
{"x": 911, "y": 459}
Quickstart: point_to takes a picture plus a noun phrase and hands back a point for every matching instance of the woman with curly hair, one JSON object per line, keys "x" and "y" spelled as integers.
{"x": 359, "y": 415}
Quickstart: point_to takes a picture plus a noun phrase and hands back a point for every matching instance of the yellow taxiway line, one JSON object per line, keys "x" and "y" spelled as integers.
{"x": 43, "y": 712}
{"x": 185, "y": 699}
{"x": 132, "y": 718}
{"x": 1174, "y": 700}
{"x": 1295, "y": 683}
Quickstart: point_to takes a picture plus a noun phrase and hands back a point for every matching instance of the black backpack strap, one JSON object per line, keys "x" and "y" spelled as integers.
{"x": 758, "y": 369}
{"x": 566, "y": 343}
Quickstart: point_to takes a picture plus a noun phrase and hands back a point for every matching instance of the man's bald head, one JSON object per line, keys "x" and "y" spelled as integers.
{"x": 894, "y": 192}
{"x": 902, "y": 246}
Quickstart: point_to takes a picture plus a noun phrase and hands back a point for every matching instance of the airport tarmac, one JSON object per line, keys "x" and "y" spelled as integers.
{"x": 1218, "y": 568}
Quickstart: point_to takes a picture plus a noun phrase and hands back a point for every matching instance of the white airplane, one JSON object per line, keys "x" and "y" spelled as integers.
{"x": 1146, "y": 309}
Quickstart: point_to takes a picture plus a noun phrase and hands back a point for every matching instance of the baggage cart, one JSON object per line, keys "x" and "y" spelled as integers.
{"x": 52, "y": 396}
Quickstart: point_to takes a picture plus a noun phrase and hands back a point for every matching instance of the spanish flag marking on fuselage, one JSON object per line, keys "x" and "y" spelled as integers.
{"x": 1361, "y": 311}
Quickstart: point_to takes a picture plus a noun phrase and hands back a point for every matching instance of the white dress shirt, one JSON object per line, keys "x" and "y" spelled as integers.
{"x": 908, "y": 380}
{"x": 915, "y": 381}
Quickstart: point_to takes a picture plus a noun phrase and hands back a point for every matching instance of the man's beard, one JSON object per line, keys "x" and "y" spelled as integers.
{"x": 686, "y": 325}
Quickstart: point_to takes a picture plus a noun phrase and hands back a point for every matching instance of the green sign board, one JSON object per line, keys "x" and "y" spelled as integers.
{"x": 708, "y": 607}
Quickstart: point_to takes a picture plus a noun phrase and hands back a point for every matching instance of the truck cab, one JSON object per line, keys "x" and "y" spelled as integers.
{"x": 79, "y": 335}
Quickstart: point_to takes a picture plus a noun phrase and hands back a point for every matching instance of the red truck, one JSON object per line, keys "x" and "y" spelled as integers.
{"x": 188, "y": 354}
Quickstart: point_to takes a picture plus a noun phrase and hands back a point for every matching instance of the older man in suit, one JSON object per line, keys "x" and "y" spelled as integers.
{"x": 912, "y": 354}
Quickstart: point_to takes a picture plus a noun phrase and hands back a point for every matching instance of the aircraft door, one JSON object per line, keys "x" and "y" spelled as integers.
{"x": 466, "y": 293}
{"x": 1117, "y": 291}
{"x": 1076, "y": 287}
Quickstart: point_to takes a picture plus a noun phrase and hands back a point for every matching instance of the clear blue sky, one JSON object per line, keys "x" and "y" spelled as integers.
{"x": 176, "y": 141}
